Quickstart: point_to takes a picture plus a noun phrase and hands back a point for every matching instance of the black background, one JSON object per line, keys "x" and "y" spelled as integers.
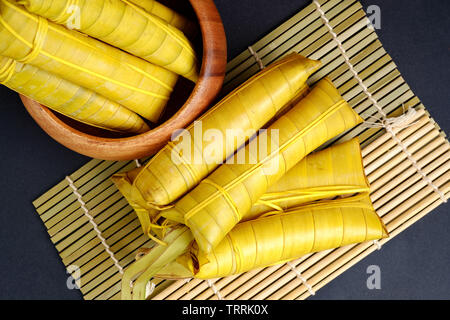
{"x": 413, "y": 266}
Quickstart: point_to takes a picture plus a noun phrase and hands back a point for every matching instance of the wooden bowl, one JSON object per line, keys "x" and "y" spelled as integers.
{"x": 108, "y": 146}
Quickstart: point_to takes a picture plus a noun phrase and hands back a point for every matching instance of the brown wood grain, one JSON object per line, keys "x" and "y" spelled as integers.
{"x": 210, "y": 81}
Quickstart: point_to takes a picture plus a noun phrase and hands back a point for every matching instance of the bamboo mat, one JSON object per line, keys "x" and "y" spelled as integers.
{"x": 401, "y": 194}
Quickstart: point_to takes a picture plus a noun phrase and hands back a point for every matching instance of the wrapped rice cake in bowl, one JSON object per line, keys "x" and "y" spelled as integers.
{"x": 112, "y": 79}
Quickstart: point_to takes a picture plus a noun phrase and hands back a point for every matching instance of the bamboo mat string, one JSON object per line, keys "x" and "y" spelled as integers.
{"x": 377, "y": 244}
{"x": 214, "y": 289}
{"x": 302, "y": 279}
{"x": 386, "y": 123}
{"x": 257, "y": 58}
{"x": 138, "y": 163}
{"x": 149, "y": 288}
{"x": 402, "y": 121}
{"x": 91, "y": 220}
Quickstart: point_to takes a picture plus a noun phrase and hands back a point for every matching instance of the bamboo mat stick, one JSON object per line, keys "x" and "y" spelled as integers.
{"x": 222, "y": 285}
{"x": 274, "y": 278}
{"x": 120, "y": 245}
{"x": 74, "y": 239}
{"x": 318, "y": 43}
{"x": 100, "y": 202}
{"x": 172, "y": 288}
{"x": 388, "y": 89}
{"x": 372, "y": 159}
{"x": 391, "y": 214}
{"x": 95, "y": 206}
{"x": 289, "y": 277}
{"x": 105, "y": 271}
{"x": 414, "y": 189}
{"x": 355, "y": 23}
{"x": 113, "y": 290}
{"x": 98, "y": 212}
{"x": 419, "y": 120}
{"x": 161, "y": 285}
{"x": 126, "y": 257}
{"x": 87, "y": 252}
{"x": 368, "y": 135}
{"x": 378, "y": 177}
{"x": 94, "y": 244}
{"x": 198, "y": 289}
{"x": 385, "y": 139}
{"x": 389, "y": 105}
{"x": 433, "y": 170}
{"x": 102, "y": 261}
{"x": 89, "y": 190}
{"x": 84, "y": 184}
{"x": 63, "y": 184}
{"x": 72, "y": 208}
{"x": 186, "y": 288}
{"x": 333, "y": 60}
{"x": 413, "y": 139}
{"x": 401, "y": 175}
{"x": 431, "y": 138}
{"x": 91, "y": 259}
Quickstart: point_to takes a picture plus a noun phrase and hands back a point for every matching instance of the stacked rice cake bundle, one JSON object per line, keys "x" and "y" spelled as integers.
{"x": 116, "y": 71}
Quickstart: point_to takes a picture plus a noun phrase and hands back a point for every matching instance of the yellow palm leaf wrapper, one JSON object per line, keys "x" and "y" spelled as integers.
{"x": 170, "y": 16}
{"x": 148, "y": 218}
{"x": 171, "y": 173}
{"x": 178, "y": 240}
{"x": 334, "y": 171}
{"x": 281, "y": 237}
{"x": 126, "y": 26}
{"x": 220, "y": 201}
{"x": 67, "y": 98}
{"x": 134, "y": 83}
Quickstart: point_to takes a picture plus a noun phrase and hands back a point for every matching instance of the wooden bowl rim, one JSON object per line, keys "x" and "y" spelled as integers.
{"x": 210, "y": 81}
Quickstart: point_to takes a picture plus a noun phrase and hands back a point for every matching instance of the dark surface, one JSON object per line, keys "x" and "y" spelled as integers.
{"x": 413, "y": 266}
